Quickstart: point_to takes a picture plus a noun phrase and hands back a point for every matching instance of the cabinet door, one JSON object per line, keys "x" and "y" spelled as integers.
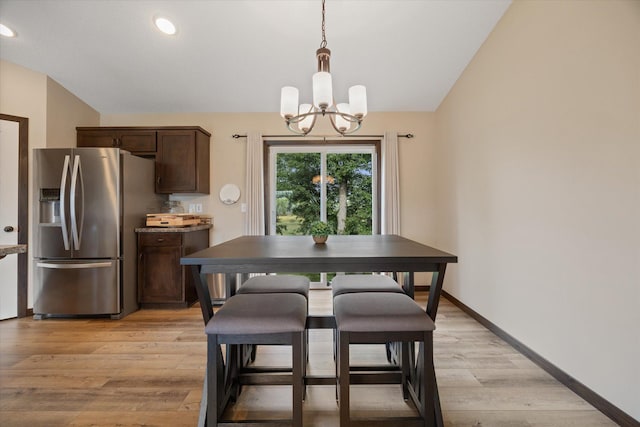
{"x": 176, "y": 162}
{"x": 138, "y": 141}
{"x": 135, "y": 141}
{"x": 159, "y": 274}
{"x": 100, "y": 138}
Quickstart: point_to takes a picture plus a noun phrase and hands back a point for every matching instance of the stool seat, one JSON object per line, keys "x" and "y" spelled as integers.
{"x": 269, "y": 319}
{"x": 350, "y": 283}
{"x": 260, "y": 314}
{"x": 378, "y": 318}
{"x": 282, "y": 283}
{"x": 380, "y": 312}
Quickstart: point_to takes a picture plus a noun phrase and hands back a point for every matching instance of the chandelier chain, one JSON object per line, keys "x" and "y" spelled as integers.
{"x": 324, "y": 38}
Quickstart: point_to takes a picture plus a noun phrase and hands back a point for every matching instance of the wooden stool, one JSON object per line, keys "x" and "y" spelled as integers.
{"x": 381, "y": 317}
{"x": 272, "y": 284}
{"x": 350, "y": 283}
{"x": 267, "y": 319}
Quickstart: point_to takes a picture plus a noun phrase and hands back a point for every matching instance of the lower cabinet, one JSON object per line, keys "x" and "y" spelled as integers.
{"x": 162, "y": 281}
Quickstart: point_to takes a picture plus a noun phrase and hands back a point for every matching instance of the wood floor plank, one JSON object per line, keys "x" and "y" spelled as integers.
{"x": 147, "y": 369}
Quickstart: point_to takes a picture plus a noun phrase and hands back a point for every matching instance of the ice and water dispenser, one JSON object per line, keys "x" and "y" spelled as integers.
{"x": 49, "y": 206}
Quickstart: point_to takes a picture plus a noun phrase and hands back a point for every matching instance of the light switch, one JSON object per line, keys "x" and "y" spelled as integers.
{"x": 199, "y": 207}
{"x": 243, "y": 207}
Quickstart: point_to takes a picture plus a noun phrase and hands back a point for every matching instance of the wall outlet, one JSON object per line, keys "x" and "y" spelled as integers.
{"x": 199, "y": 207}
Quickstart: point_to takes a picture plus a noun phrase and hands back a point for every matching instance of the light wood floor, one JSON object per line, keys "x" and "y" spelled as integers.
{"x": 147, "y": 369}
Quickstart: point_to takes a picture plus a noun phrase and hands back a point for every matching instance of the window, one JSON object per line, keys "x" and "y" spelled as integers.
{"x": 337, "y": 183}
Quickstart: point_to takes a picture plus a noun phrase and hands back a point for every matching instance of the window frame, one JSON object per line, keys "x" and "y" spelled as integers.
{"x": 324, "y": 146}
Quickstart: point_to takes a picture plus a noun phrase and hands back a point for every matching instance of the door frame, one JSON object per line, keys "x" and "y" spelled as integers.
{"x": 23, "y": 208}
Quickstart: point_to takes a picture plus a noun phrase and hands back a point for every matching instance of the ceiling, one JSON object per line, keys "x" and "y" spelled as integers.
{"x": 235, "y": 55}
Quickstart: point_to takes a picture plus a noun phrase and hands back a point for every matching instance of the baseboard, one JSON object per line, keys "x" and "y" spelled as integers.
{"x": 607, "y": 408}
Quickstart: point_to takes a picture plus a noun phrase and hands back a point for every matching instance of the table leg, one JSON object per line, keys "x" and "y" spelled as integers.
{"x": 434, "y": 291}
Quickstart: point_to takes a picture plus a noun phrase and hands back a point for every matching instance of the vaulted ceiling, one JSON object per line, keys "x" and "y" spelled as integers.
{"x": 235, "y": 55}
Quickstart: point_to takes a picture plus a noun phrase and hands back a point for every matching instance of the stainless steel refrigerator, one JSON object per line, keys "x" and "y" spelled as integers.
{"x": 87, "y": 203}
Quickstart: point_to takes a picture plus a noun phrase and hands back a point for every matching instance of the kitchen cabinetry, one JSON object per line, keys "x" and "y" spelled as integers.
{"x": 162, "y": 281}
{"x": 182, "y": 161}
{"x": 136, "y": 141}
{"x": 181, "y": 152}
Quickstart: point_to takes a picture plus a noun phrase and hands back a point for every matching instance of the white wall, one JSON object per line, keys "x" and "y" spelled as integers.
{"x": 417, "y": 187}
{"x": 53, "y": 114}
{"x": 539, "y": 171}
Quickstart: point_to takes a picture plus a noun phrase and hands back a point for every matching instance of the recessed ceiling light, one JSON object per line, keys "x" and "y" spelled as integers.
{"x": 165, "y": 26}
{"x": 6, "y": 31}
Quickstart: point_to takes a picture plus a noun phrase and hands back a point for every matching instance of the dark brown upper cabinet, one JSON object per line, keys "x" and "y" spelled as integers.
{"x": 181, "y": 152}
{"x": 182, "y": 161}
{"x": 137, "y": 141}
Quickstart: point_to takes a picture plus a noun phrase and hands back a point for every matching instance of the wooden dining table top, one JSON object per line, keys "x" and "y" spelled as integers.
{"x": 348, "y": 253}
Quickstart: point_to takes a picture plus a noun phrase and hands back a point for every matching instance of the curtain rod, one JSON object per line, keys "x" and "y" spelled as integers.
{"x": 324, "y": 137}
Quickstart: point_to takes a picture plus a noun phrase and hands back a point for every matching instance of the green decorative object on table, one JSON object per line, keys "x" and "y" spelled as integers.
{"x": 320, "y": 231}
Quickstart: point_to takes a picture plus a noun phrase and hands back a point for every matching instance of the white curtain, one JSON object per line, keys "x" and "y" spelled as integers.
{"x": 254, "y": 190}
{"x": 390, "y": 221}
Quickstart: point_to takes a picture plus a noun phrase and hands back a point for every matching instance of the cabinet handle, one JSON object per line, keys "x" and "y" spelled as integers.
{"x": 160, "y": 239}
{"x": 158, "y": 180}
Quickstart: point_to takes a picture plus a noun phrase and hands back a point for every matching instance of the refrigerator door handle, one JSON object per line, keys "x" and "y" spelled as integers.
{"x": 76, "y": 227}
{"x": 63, "y": 194}
{"x": 74, "y": 266}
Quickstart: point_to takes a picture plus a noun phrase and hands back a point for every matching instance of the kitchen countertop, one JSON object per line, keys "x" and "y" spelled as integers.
{"x": 12, "y": 249}
{"x": 173, "y": 229}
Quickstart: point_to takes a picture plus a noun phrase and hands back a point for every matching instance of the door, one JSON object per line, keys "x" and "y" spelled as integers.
{"x": 94, "y": 203}
{"x": 333, "y": 183}
{"x": 9, "y": 217}
{"x": 76, "y": 287}
{"x": 52, "y": 182}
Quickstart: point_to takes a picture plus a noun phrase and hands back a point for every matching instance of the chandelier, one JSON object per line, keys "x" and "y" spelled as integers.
{"x": 345, "y": 118}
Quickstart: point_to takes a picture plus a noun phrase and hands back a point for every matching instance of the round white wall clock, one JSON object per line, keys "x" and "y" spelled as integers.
{"x": 229, "y": 194}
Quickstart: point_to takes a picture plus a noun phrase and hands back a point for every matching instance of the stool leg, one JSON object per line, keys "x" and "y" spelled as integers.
{"x": 406, "y": 357}
{"x": 343, "y": 378}
{"x": 213, "y": 372}
{"x": 297, "y": 363}
{"x": 429, "y": 380}
{"x": 436, "y": 403}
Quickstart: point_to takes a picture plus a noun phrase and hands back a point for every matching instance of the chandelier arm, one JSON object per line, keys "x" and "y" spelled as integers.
{"x": 355, "y": 120}
{"x": 332, "y": 119}
{"x": 348, "y": 117}
{"x": 300, "y": 117}
{"x": 294, "y": 130}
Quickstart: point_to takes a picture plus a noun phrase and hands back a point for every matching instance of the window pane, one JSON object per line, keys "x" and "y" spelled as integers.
{"x": 349, "y": 192}
{"x": 297, "y": 192}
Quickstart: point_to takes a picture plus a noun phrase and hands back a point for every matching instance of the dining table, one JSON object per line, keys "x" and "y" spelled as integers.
{"x": 398, "y": 255}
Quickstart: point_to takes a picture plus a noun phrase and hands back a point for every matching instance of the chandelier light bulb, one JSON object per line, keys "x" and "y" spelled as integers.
{"x": 288, "y": 102}
{"x": 358, "y": 100}
{"x": 322, "y": 90}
